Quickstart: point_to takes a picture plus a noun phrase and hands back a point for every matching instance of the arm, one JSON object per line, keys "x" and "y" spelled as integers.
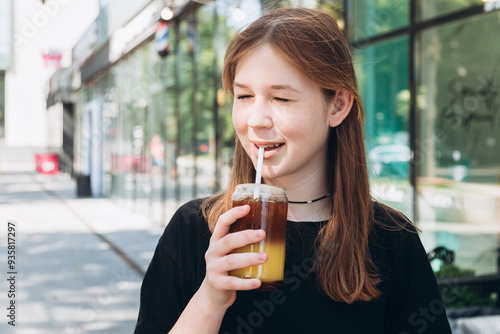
{"x": 206, "y": 309}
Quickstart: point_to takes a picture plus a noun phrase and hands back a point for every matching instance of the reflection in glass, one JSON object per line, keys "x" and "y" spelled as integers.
{"x": 382, "y": 71}
{"x": 459, "y": 130}
{"x": 368, "y": 18}
{"x": 429, "y": 9}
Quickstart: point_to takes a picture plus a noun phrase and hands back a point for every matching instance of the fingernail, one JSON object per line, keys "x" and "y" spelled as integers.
{"x": 262, "y": 256}
{"x": 256, "y": 283}
{"x": 243, "y": 208}
{"x": 259, "y": 233}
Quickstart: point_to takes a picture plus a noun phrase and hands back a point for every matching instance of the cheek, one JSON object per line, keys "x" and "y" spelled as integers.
{"x": 309, "y": 129}
{"x": 236, "y": 120}
{"x": 239, "y": 124}
{"x": 300, "y": 124}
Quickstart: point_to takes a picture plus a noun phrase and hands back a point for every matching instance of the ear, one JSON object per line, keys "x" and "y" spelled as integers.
{"x": 340, "y": 107}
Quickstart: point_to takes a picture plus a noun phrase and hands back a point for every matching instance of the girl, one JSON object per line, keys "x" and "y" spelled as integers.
{"x": 353, "y": 265}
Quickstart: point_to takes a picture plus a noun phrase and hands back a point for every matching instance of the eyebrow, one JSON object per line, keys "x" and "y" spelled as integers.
{"x": 285, "y": 87}
{"x": 275, "y": 87}
{"x": 237, "y": 84}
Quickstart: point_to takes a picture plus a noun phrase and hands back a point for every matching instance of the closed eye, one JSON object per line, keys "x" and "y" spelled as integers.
{"x": 242, "y": 97}
{"x": 279, "y": 99}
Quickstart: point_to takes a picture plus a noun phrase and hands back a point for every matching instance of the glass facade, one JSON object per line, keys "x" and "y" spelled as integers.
{"x": 459, "y": 132}
{"x": 166, "y": 133}
{"x": 368, "y": 18}
{"x": 429, "y": 9}
{"x": 382, "y": 70}
{"x": 430, "y": 92}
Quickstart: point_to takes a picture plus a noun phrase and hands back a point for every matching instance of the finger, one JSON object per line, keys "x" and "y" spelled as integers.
{"x": 236, "y": 240}
{"x": 241, "y": 260}
{"x": 235, "y": 283}
{"x": 226, "y": 219}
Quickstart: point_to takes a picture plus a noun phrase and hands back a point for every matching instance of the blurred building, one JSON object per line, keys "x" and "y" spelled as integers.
{"x": 154, "y": 131}
{"x": 36, "y": 38}
{"x": 5, "y": 56}
{"x": 153, "y": 128}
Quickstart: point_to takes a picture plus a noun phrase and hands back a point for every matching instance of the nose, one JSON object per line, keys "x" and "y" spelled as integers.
{"x": 260, "y": 115}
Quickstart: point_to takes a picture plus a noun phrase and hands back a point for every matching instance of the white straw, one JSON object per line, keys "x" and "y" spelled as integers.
{"x": 258, "y": 176}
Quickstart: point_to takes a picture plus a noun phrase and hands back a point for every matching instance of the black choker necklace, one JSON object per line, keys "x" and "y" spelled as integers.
{"x": 314, "y": 200}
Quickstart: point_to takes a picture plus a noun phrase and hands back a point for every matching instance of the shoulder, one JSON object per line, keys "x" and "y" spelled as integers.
{"x": 393, "y": 235}
{"x": 389, "y": 223}
{"x": 188, "y": 212}
{"x": 387, "y": 218}
{"x": 190, "y": 209}
{"x": 186, "y": 224}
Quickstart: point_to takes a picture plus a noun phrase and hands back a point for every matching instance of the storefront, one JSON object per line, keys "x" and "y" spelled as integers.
{"x": 154, "y": 132}
{"x": 428, "y": 75}
{"x": 160, "y": 130}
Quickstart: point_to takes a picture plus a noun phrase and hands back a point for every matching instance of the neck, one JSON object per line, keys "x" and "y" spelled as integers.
{"x": 318, "y": 211}
{"x": 305, "y": 189}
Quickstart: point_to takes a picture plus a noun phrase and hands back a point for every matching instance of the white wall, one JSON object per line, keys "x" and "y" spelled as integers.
{"x": 121, "y": 11}
{"x": 37, "y": 29}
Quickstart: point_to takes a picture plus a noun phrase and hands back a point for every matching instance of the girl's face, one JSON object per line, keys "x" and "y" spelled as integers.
{"x": 278, "y": 107}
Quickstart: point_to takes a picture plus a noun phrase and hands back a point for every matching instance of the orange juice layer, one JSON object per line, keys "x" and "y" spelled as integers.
{"x": 272, "y": 270}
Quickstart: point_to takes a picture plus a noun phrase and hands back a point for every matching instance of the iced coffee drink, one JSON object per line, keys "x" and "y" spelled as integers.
{"x": 268, "y": 211}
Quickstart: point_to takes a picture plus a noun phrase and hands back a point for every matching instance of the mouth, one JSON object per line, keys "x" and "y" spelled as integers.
{"x": 269, "y": 146}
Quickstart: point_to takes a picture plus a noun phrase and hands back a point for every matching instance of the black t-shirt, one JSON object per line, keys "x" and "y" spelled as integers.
{"x": 410, "y": 301}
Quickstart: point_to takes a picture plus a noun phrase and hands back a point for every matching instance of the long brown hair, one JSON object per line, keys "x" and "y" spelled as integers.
{"x": 311, "y": 40}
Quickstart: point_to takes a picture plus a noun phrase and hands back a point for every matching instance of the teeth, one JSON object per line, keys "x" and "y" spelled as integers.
{"x": 270, "y": 146}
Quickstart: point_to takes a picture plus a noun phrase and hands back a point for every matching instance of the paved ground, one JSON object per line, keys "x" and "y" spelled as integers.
{"x": 70, "y": 276}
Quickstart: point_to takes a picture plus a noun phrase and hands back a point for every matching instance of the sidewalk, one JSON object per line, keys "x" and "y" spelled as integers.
{"x": 70, "y": 276}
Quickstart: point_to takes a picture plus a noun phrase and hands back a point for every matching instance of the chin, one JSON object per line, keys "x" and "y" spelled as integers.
{"x": 270, "y": 175}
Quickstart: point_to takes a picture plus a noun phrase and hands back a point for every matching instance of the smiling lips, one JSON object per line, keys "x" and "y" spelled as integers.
{"x": 270, "y": 147}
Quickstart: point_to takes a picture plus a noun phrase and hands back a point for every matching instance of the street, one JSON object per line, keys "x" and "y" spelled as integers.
{"x": 75, "y": 265}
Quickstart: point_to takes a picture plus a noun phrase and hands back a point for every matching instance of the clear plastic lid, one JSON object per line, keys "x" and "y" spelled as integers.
{"x": 259, "y": 191}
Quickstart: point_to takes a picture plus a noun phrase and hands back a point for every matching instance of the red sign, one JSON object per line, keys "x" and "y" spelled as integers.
{"x": 52, "y": 59}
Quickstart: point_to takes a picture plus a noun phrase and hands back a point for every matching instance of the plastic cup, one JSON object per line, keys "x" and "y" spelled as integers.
{"x": 268, "y": 211}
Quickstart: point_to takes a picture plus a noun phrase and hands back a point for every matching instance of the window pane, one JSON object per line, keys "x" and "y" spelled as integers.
{"x": 382, "y": 71}
{"x": 428, "y": 9}
{"x": 368, "y": 18}
{"x": 459, "y": 129}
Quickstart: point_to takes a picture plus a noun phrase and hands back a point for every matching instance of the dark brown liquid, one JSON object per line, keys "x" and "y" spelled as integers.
{"x": 271, "y": 217}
